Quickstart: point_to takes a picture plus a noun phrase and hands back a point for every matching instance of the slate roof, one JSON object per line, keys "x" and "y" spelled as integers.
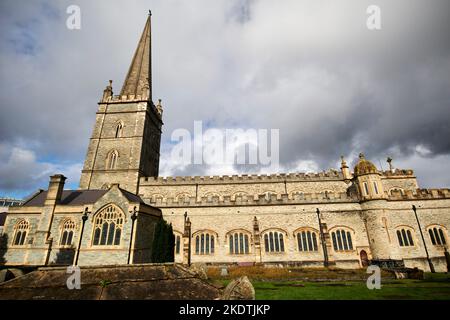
{"x": 69, "y": 197}
{"x": 79, "y": 197}
{"x": 131, "y": 196}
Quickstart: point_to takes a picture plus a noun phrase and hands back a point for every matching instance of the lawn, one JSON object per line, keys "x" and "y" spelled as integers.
{"x": 433, "y": 287}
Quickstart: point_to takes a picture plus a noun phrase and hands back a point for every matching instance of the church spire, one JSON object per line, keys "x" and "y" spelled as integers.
{"x": 139, "y": 77}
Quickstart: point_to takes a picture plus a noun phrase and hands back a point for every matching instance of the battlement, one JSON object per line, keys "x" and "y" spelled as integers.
{"x": 257, "y": 200}
{"x": 420, "y": 194}
{"x": 124, "y": 98}
{"x": 398, "y": 173}
{"x": 244, "y": 178}
{"x": 132, "y": 99}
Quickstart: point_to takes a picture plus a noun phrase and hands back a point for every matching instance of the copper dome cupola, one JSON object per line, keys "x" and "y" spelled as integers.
{"x": 364, "y": 166}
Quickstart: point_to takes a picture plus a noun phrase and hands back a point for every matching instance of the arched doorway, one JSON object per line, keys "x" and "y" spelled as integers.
{"x": 364, "y": 259}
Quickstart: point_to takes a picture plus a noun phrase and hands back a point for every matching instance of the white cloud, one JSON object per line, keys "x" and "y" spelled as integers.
{"x": 21, "y": 172}
{"x": 308, "y": 68}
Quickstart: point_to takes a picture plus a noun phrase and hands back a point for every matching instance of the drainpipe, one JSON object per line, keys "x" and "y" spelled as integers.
{"x": 322, "y": 237}
{"x": 133, "y": 218}
{"x": 84, "y": 217}
{"x": 423, "y": 239}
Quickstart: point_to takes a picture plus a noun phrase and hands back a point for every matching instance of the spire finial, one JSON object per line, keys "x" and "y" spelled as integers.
{"x": 107, "y": 93}
{"x": 150, "y": 12}
{"x": 159, "y": 107}
{"x": 361, "y": 155}
{"x": 138, "y": 79}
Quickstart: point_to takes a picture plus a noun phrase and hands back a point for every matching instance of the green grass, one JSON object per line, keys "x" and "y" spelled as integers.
{"x": 433, "y": 287}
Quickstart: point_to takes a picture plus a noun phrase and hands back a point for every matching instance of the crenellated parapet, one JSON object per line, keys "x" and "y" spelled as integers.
{"x": 131, "y": 98}
{"x": 419, "y": 194}
{"x": 124, "y": 98}
{"x": 252, "y": 178}
{"x": 258, "y": 200}
{"x": 398, "y": 173}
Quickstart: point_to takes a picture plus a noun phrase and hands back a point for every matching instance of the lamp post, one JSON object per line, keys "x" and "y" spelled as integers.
{"x": 423, "y": 239}
{"x": 322, "y": 238}
{"x": 84, "y": 218}
{"x": 133, "y": 219}
{"x": 188, "y": 227}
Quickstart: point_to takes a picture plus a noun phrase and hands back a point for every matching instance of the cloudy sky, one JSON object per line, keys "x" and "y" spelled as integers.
{"x": 311, "y": 69}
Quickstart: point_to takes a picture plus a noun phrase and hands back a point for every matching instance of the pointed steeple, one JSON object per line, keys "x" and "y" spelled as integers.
{"x": 139, "y": 77}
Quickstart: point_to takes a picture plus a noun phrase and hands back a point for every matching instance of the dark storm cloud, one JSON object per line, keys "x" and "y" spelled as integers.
{"x": 309, "y": 68}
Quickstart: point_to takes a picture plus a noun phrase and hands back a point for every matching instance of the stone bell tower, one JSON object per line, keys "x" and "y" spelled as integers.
{"x": 125, "y": 142}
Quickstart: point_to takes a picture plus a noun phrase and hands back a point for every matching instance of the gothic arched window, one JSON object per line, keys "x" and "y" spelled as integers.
{"x": 342, "y": 240}
{"x": 119, "y": 129}
{"x": 307, "y": 240}
{"x": 67, "y": 232}
{"x": 274, "y": 241}
{"x": 239, "y": 242}
{"x": 112, "y": 159}
{"x": 20, "y": 232}
{"x": 204, "y": 243}
{"x": 437, "y": 236}
{"x": 108, "y": 225}
{"x": 177, "y": 243}
{"x": 404, "y": 237}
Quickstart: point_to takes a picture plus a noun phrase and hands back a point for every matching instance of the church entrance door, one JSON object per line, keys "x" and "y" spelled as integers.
{"x": 364, "y": 259}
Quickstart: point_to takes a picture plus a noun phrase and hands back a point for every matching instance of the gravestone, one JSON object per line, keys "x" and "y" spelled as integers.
{"x": 239, "y": 289}
{"x": 224, "y": 272}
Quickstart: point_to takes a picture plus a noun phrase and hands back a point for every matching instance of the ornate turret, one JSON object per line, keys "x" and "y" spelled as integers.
{"x": 364, "y": 166}
{"x": 368, "y": 179}
{"x": 345, "y": 170}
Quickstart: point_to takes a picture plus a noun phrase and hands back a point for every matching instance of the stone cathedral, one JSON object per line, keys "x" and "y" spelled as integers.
{"x": 347, "y": 218}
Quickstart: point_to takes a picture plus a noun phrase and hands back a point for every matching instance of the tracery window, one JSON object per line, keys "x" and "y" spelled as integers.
{"x": 20, "y": 232}
{"x": 342, "y": 240}
{"x": 108, "y": 224}
{"x": 67, "y": 232}
{"x": 274, "y": 241}
{"x": 405, "y": 238}
{"x": 239, "y": 242}
{"x": 204, "y": 243}
{"x": 437, "y": 236}
{"x": 307, "y": 240}
{"x": 111, "y": 160}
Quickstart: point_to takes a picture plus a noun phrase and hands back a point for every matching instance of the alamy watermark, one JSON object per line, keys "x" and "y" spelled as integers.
{"x": 235, "y": 146}
{"x": 74, "y": 280}
{"x": 374, "y": 280}
{"x": 373, "y": 21}
{"x": 73, "y": 22}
